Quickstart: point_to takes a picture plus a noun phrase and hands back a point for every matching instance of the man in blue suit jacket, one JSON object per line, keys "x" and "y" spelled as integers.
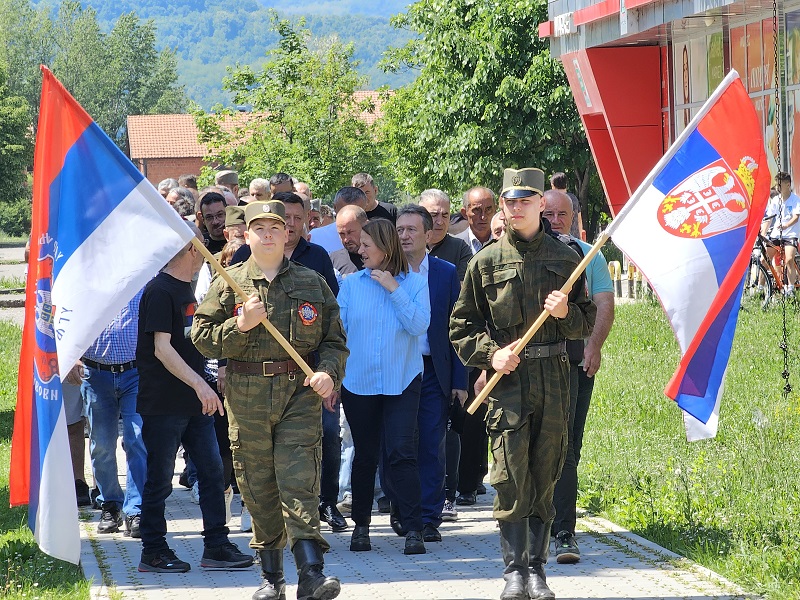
{"x": 444, "y": 378}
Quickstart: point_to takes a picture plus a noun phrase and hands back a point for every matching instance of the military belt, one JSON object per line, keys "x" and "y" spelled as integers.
{"x": 267, "y": 368}
{"x": 545, "y": 350}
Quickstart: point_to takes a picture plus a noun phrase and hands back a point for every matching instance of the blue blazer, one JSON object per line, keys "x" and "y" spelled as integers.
{"x": 444, "y": 287}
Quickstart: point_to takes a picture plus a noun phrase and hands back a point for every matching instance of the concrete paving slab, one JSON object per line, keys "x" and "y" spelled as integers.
{"x": 466, "y": 565}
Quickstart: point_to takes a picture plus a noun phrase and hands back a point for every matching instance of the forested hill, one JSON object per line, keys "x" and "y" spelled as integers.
{"x": 208, "y": 35}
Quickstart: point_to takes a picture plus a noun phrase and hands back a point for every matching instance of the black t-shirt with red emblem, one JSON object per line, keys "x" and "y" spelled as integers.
{"x": 167, "y": 306}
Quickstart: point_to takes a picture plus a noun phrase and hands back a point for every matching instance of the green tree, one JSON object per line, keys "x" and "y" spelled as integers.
{"x": 16, "y": 147}
{"x": 112, "y": 75}
{"x": 488, "y": 96}
{"x": 304, "y": 118}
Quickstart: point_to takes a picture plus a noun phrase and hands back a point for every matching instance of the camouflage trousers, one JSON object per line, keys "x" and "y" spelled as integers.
{"x": 275, "y": 427}
{"x": 527, "y": 423}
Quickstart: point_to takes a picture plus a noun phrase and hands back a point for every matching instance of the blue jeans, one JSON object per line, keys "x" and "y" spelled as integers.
{"x": 331, "y": 456}
{"x": 162, "y": 436}
{"x": 109, "y": 396}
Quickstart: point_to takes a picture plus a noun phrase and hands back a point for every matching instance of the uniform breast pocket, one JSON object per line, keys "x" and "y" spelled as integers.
{"x": 306, "y": 318}
{"x": 558, "y": 273}
{"x": 503, "y": 288}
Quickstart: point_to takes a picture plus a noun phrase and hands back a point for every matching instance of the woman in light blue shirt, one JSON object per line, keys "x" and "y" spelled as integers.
{"x": 384, "y": 310}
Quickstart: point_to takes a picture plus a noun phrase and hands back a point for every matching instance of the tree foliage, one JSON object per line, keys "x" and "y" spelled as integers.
{"x": 112, "y": 75}
{"x": 16, "y": 147}
{"x": 488, "y": 96}
{"x": 304, "y": 118}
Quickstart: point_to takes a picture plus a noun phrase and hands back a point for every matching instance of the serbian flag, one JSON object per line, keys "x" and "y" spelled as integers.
{"x": 690, "y": 228}
{"x": 100, "y": 232}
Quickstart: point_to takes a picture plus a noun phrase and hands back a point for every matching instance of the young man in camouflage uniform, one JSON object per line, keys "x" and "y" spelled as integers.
{"x": 274, "y": 409}
{"x": 508, "y": 284}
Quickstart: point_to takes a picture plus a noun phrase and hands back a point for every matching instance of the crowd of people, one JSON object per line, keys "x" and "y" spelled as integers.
{"x": 395, "y": 316}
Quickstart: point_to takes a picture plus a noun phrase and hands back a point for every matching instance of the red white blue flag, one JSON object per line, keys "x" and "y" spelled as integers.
{"x": 100, "y": 232}
{"x": 690, "y": 228}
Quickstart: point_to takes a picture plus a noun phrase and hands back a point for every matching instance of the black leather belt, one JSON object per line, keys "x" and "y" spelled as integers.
{"x": 268, "y": 368}
{"x": 118, "y": 368}
{"x": 545, "y": 350}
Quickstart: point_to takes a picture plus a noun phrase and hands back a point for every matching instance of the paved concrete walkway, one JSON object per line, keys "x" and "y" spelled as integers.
{"x": 465, "y": 565}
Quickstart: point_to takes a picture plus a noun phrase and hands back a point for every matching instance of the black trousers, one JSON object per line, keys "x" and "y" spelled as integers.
{"x": 474, "y": 464}
{"x": 391, "y": 420}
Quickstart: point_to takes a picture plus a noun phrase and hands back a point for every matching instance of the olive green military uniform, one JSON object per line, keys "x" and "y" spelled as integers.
{"x": 503, "y": 293}
{"x": 275, "y": 422}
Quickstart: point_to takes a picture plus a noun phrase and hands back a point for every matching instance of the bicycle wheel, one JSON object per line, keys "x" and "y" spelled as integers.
{"x": 758, "y": 286}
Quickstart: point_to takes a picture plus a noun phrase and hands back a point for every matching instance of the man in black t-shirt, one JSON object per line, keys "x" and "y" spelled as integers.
{"x": 177, "y": 406}
{"x": 375, "y": 209}
{"x": 211, "y": 215}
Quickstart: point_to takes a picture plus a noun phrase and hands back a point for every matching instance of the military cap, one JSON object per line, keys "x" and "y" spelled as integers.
{"x": 272, "y": 209}
{"x": 522, "y": 182}
{"x": 231, "y": 177}
{"x": 234, "y": 215}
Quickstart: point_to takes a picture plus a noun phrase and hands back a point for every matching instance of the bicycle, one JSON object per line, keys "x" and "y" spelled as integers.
{"x": 763, "y": 278}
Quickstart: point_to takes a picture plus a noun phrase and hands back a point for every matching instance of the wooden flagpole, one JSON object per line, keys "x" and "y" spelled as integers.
{"x": 240, "y": 292}
{"x": 565, "y": 289}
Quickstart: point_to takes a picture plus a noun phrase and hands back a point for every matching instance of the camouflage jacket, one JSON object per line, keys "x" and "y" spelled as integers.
{"x": 504, "y": 291}
{"x": 299, "y": 304}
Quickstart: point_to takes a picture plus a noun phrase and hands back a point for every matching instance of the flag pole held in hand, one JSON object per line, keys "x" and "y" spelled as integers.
{"x": 565, "y": 289}
{"x": 240, "y": 292}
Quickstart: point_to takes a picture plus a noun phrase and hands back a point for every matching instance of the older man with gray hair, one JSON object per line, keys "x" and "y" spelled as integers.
{"x": 259, "y": 190}
{"x": 166, "y": 185}
{"x": 442, "y": 244}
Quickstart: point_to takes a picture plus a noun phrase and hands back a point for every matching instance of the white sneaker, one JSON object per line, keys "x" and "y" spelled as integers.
{"x": 246, "y": 523}
{"x": 449, "y": 512}
{"x": 228, "y": 499}
{"x": 194, "y": 493}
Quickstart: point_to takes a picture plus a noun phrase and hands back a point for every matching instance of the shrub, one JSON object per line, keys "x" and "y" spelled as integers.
{"x": 15, "y": 218}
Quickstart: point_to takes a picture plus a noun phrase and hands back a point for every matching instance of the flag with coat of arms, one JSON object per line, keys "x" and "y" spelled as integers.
{"x": 690, "y": 227}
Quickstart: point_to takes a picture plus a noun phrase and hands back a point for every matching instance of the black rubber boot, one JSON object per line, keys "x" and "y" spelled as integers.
{"x": 311, "y": 581}
{"x": 274, "y": 587}
{"x": 540, "y": 550}
{"x": 514, "y": 545}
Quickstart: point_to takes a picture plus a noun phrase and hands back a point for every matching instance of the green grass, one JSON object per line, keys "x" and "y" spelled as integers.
{"x": 731, "y": 503}
{"x": 25, "y": 572}
{"x": 11, "y": 282}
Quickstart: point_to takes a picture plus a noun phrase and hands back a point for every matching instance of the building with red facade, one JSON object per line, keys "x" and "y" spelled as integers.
{"x": 639, "y": 70}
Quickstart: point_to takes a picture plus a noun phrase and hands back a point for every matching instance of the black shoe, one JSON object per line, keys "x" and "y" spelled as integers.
{"x": 110, "y": 519}
{"x": 132, "y": 527}
{"x": 94, "y": 495}
{"x": 226, "y": 556}
{"x": 184, "y": 479}
{"x": 163, "y": 561}
{"x": 567, "y": 551}
{"x": 82, "y": 493}
{"x": 481, "y": 491}
{"x": 467, "y": 499}
{"x": 331, "y": 515}
{"x": 384, "y": 506}
{"x": 414, "y": 543}
{"x": 359, "y": 542}
{"x": 431, "y": 534}
{"x": 397, "y": 526}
